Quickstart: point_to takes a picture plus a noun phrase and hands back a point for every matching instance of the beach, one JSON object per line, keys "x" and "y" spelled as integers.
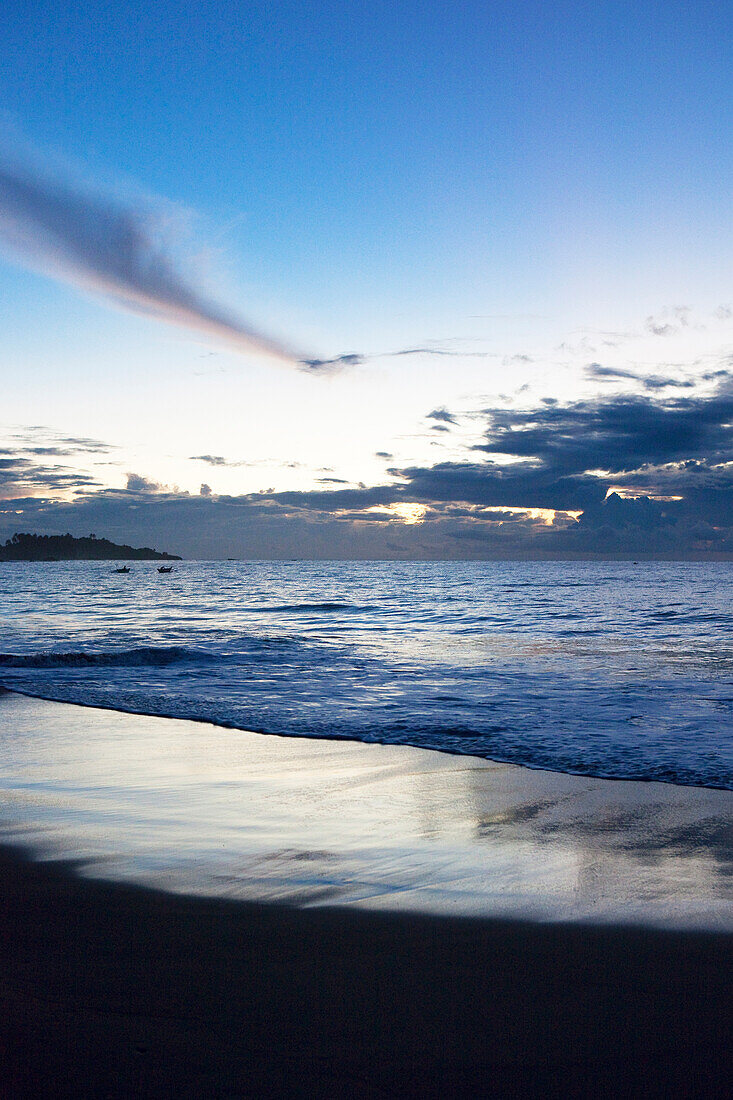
{"x": 366, "y": 603}
{"x": 117, "y": 991}
{"x": 194, "y": 911}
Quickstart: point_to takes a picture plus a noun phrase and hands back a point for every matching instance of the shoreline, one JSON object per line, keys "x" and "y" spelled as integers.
{"x": 446, "y": 751}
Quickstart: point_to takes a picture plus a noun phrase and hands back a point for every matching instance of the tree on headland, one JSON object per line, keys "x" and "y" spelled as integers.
{"x": 27, "y": 547}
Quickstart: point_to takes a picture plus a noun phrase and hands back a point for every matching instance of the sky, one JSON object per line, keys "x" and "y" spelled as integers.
{"x": 350, "y": 280}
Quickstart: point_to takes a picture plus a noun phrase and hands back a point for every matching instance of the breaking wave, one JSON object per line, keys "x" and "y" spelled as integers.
{"x": 141, "y": 656}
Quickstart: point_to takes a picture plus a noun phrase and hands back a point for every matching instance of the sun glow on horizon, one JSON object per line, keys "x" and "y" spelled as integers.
{"x": 408, "y": 514}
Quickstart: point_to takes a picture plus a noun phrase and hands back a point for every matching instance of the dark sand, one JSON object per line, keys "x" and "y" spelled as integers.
{"x": 113, "y": 989}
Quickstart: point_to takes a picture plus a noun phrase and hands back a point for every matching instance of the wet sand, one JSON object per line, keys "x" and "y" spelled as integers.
{"x": 388, "y": 921}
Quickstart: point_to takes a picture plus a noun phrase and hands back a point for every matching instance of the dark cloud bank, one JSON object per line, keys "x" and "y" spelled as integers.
{"x": 628, "y": 476}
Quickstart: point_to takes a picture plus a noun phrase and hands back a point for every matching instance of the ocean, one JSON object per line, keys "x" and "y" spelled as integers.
{"x": 612, "y": 669}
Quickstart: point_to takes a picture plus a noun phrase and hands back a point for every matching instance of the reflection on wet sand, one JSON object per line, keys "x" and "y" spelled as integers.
{"x": 199, "y": 809}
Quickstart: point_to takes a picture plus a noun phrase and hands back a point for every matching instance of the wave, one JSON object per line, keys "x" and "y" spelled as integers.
{"x": 142, "y": 656}
{"x": 325, "y": 606}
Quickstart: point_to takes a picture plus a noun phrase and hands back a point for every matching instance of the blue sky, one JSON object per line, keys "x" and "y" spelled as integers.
{"x": 516, "y": 195}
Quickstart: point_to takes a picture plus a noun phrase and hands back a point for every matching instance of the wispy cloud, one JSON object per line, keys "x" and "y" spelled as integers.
{"x": 358, "y": 359}
{"x": 21, "y": 476}
{"x": 648, "y": 381}
{"x": 117, "y": 248}
{"x": 215, "y": 460}
{"x": 669, "y": 321}
{"x": 232, "y": 463}
{"x": 433, "y": 351}
{"x": 30, "y": 463}
{"x": 37, "y": 439}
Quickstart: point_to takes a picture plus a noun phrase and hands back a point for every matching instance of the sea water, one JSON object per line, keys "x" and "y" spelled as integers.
{"x": 612, "y": 669}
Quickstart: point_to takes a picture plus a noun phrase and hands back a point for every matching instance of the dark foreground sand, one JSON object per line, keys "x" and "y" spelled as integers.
{"x": 363, "y": 984}
{"x": 121, "y": 991}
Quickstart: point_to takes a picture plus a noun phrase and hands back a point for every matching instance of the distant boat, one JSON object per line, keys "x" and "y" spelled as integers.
{"x": 165, "y": 568}
{"x": 124, "y": 569}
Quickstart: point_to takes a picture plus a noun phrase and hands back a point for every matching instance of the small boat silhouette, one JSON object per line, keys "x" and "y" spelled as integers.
{"x": 165, "y": 568}
{"x": 124, "y": 569}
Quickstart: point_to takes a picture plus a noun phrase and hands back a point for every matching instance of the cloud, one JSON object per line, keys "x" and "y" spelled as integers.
{"x": 116, "y": 248}
{"x": 83, "y": 443}
{"x": 669, "y": 321}
{"x": 230, "y": 463}
{"x": 52, "y": 452}
{"x": 357, "y": 359}
{"x": 660, "y": 382}
{"x": 39, "y": 440}
{"x": 330, "y": 366}
{"x": 659, "y": 328}
{"x": 462, "y": 517}
{"x": 23, "y": 476}
{"x": 136, "y": 483}
{"x": 619, "y": 434}
{"x": 442, "y": 415}
{"x": 25, "y": 469}
{"x": 649, "y": 381}
{"x": 432, "y": 351}
{"x": 596, "y": 370}
{"x": 490, "y": 485}
{"x": 634, "y": 475}
{"x": 212, "y": 460}
{"x": 568, "y": 459}
{"x": 722, "y": 376}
